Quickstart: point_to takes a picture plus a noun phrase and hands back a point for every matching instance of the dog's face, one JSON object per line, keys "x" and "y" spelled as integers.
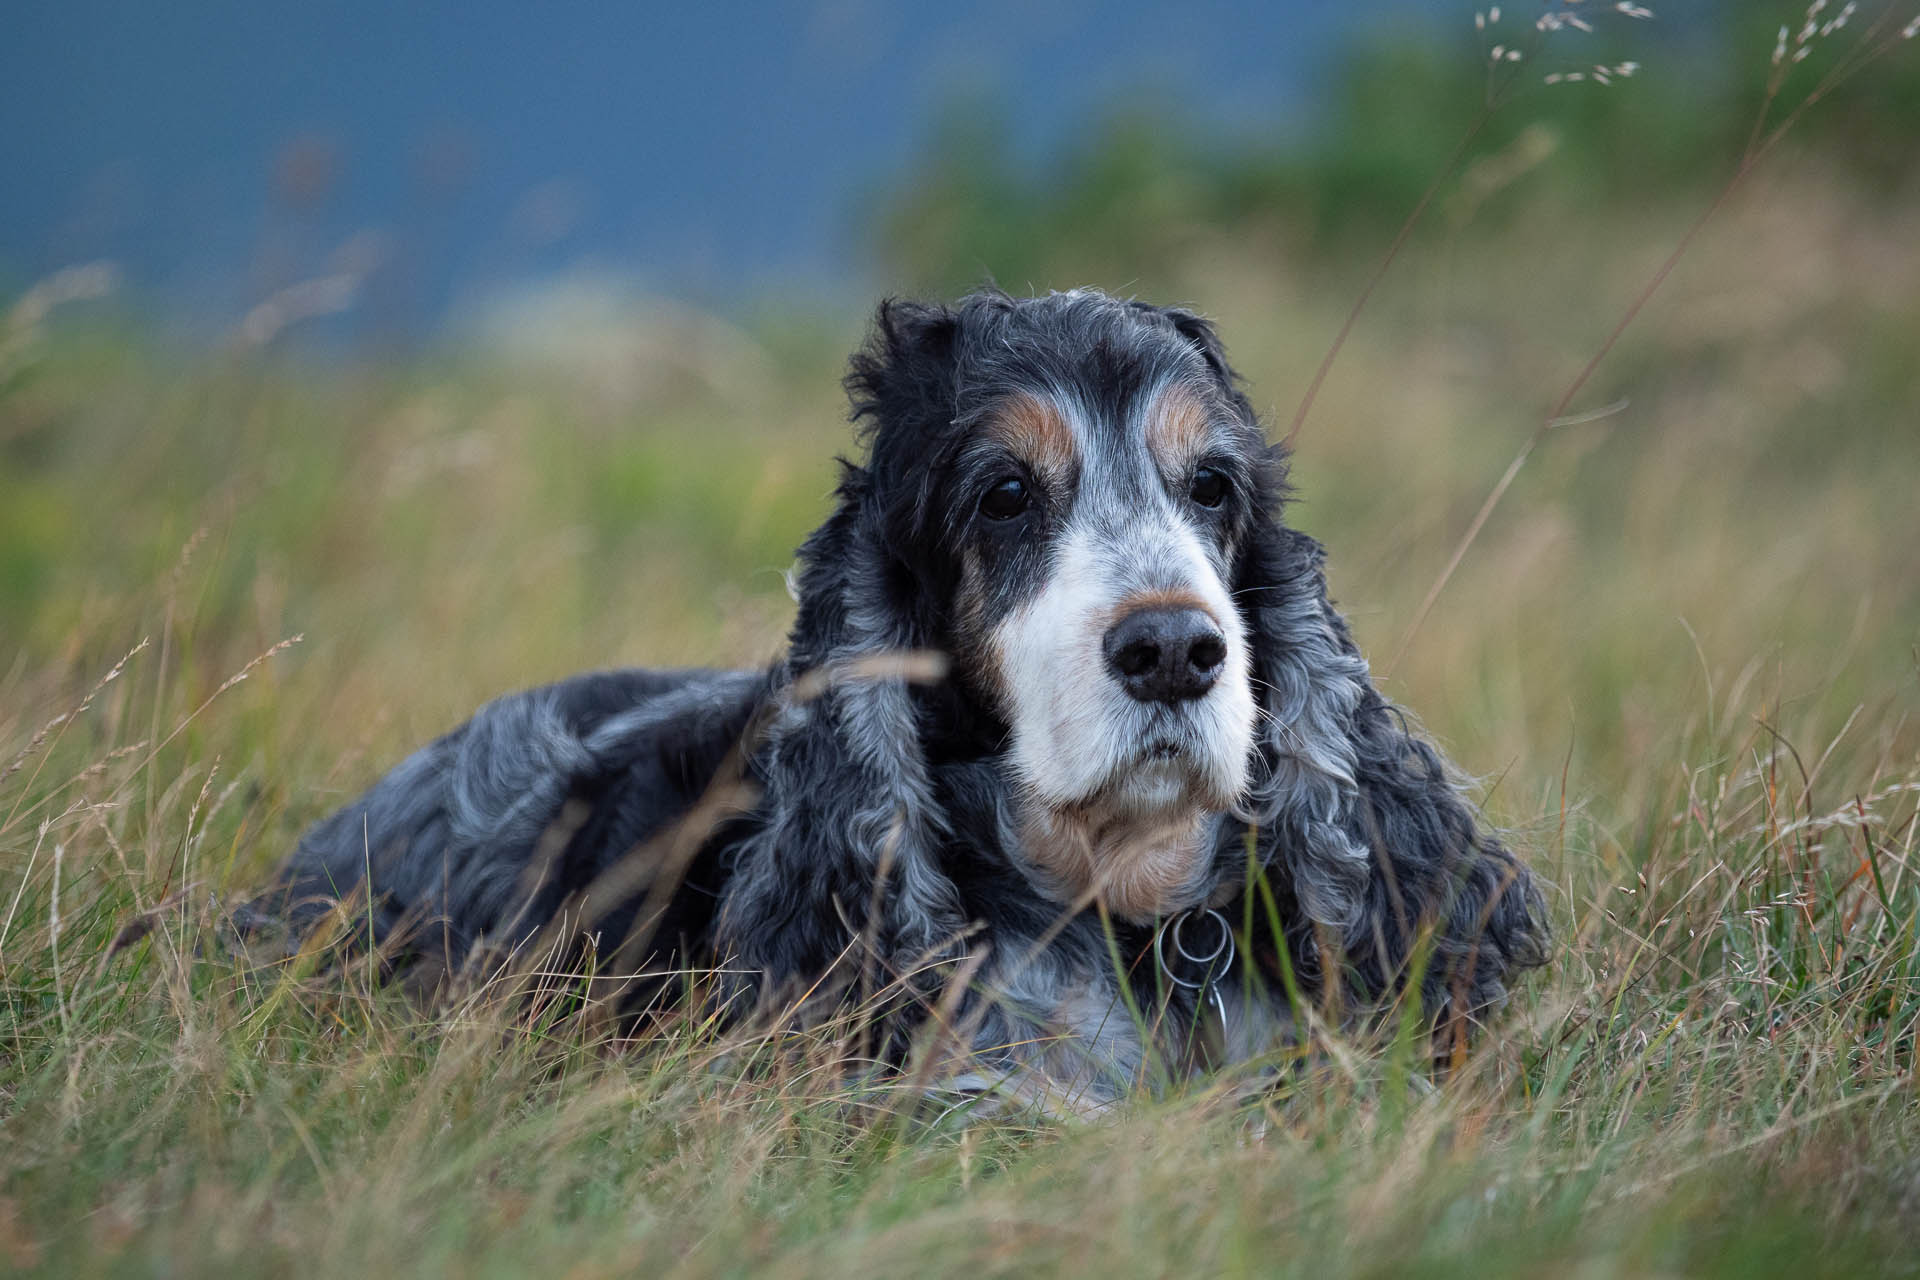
{"x": 1088, "y": 498}
{"x": 1149, "y": 691}
{"x": 1094, "y": 595}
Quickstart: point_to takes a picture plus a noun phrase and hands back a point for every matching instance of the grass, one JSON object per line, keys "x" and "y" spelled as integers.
{"x": 1683, "y": 654}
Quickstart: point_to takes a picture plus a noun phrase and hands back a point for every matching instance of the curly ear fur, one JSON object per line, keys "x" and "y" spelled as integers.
{"x": 1361, "y": 817}
{"x": 846, "y": 846}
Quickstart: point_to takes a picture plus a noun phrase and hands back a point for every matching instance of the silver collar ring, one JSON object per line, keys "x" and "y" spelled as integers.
{"x": 1212, "y": 957}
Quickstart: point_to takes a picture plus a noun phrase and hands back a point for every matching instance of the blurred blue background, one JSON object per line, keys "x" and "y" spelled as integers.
{"x": 222, "y": 148}
{"x": 431, "y": 160}
{"x": 443, "y": 317}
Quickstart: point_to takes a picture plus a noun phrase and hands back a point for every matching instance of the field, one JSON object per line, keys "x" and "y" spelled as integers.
{"x": 1683, "y": 655}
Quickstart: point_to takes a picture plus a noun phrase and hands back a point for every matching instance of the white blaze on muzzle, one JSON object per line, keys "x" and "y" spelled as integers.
{"x": 1079, "y": 735}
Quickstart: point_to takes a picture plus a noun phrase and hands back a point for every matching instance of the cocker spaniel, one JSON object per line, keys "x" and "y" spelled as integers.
{"x": 1068, "y": 752}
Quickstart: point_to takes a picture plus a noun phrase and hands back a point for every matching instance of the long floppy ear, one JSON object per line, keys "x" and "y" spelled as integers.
{"x": 1362, "y": 817}
{"x": 844, "y": 855}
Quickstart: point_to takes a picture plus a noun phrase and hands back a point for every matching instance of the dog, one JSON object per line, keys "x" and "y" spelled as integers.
{"x": 1068, "y": 750}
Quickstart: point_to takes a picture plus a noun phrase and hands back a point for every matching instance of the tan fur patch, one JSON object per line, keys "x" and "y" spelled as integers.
{"x": 1178, "y": 427}
{"x": 1034, "y": 429}
{"x": 1160, "y": 600}
{"x": 1153, "y": 600}
{"x": 1137, "y": 867}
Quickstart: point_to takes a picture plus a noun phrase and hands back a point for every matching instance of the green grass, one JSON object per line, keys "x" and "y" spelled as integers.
{"x": 1683, "y": 656}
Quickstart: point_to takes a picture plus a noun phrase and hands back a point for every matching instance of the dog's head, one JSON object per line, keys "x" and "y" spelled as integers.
{"x": 1071, "y": 498}
{"x": 1065, "y": 488}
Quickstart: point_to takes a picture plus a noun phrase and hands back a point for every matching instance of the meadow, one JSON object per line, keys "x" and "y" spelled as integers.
{"x": 1682, "y": 657}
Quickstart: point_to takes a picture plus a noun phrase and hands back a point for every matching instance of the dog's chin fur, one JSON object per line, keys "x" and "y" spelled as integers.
{"x": 1137, "y": 844}
{"x": 1137, "y": 864}
{"x": 1158, "y": 764}
{"x": 1029, "y": 820}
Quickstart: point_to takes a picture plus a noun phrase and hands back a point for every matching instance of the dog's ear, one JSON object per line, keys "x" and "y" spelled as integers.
{"x": 844, "y": 865}
{"x": 905, "y": 371}
{"x": 900, "y": 386}
{"x": 1199, "y": 331}
{"x": 1205, "y": 341}
{"x": 1359, "y": 815}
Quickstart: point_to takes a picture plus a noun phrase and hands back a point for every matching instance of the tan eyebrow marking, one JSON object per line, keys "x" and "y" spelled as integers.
{"x": 1178, "y": 426}
{"x": 1036, "y": 430}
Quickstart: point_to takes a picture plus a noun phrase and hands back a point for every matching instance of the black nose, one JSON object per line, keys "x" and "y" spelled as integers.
{"x": 1165, "y": 654}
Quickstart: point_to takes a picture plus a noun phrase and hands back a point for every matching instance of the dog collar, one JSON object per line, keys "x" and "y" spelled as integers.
{"x": 1194, "y": 950}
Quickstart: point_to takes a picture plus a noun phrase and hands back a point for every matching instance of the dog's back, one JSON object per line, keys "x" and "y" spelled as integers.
{"x": 440, "y": 853}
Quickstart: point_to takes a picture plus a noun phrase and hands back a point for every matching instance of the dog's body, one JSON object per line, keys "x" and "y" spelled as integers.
{"x": 1151, "y": 709}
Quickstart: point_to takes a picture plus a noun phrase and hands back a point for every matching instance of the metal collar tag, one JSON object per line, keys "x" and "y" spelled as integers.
{"x": 1202, "y": 954}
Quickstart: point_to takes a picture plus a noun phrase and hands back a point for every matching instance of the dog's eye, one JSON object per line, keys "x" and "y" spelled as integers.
{"x": 1208, "y": 487}
{"x": 1007, "y": 499}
